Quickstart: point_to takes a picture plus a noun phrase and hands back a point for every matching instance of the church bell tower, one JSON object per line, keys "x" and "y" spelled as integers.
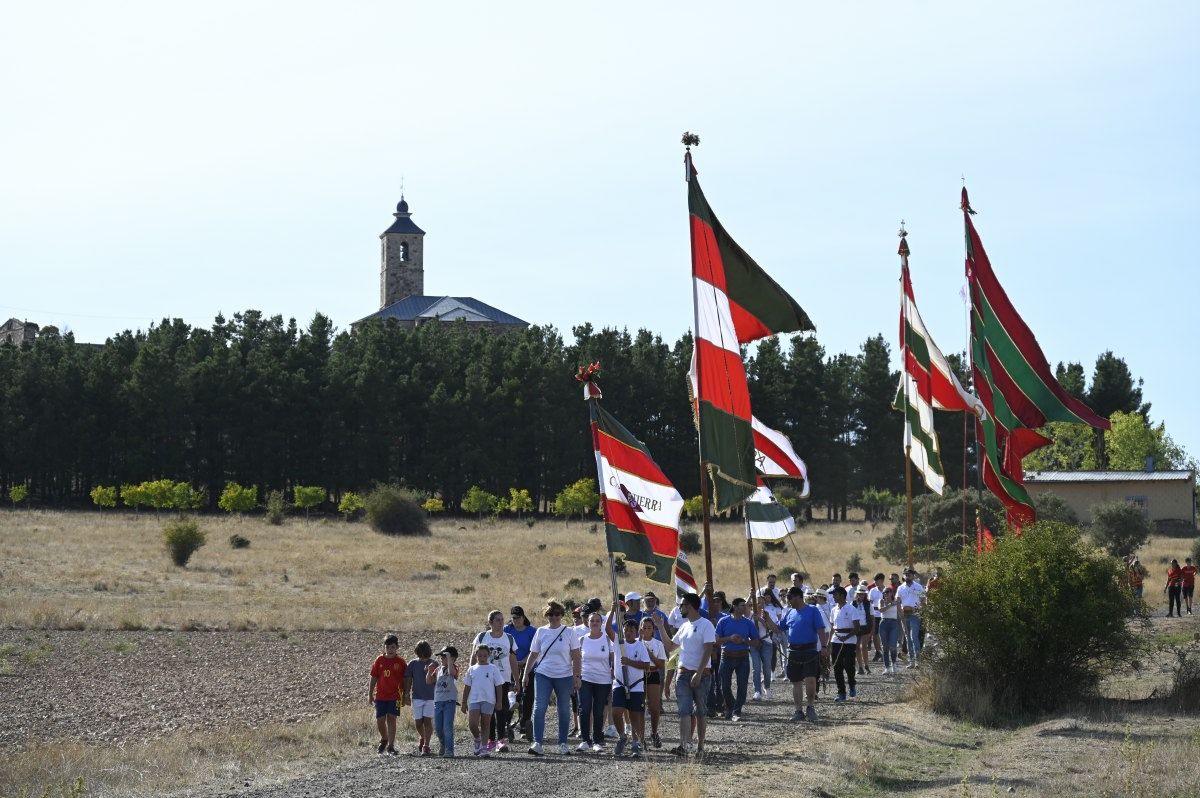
{"x": 402, "y": 269}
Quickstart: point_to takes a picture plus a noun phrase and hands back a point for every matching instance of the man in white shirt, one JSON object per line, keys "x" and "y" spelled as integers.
{"x": 847, "y": 622}
{"x": 874, "y": 596}
{"x": 911, "y": 597}
{"x": 695, "y": 639}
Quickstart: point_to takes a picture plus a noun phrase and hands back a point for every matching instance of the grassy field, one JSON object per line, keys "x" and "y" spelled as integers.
{"x": 111, "y": 571}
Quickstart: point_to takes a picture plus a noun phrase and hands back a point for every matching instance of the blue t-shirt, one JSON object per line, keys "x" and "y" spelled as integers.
{"x": 662, "y": 616}
{"x": 628, "y": 616}
{"x": 730, "y": 626}
{"x": 524, "y": 639}
{"x": 803, "y": 625}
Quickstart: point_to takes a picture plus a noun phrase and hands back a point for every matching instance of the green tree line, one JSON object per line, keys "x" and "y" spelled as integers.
{"x": 256, "y": 400}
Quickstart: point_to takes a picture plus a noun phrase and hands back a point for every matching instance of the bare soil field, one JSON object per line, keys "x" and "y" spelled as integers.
{"x": 225, "y": 678}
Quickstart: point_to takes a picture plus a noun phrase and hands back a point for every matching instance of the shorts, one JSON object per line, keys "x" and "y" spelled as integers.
{"x": 391, "y": 707}
{"x": 634, "y": 702}
{"x": 803, "y": 665}
{"x": 1188, "y": 590}
{"x": 482, "y": 707}
{"x": 422, "y": 708}
{"x": 692, "y": 701}
{"x": 654, "y": 677}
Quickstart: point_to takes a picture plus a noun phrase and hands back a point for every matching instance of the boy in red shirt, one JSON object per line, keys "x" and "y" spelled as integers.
{"x": 1188, "y": 574}
{"x": 386, "y": 692}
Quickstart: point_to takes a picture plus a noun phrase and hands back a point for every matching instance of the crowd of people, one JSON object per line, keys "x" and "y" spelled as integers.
{"x": 608, "y": 673}
{"x": 1179, "y": 588}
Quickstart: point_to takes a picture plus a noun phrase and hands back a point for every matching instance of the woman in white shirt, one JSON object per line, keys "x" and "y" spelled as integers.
{"x": 553, "y": 665}
{"x": 889, "y": 627}
{"x": 762, "y": 658}
{"x": 596, "y": 652}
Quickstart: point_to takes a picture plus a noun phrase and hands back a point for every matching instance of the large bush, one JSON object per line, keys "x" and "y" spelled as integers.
{"x": 1028, "y": 626}
{"x": 394, "y": 510}
{"x": 183, "y": 537}
{"x": 1120, "y": 527}
{"x": 237, "y": 499}
{"x": 937, "y": 526}
{"x": 578, "y": 498}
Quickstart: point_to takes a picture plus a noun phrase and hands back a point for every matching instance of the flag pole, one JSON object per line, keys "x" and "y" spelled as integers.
{"x": 908, "y": 526}
{"x": 688, "y": 140}
{"x": 586, "y": 375}
{"x": 750, "y": 560}
{"x": 963, "y": 489}
{"x": 971, "y": 350}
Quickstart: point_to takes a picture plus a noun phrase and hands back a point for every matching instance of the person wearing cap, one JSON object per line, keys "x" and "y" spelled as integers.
{"x": 632, "y": 602}
{"x": 864, "y": 637}
{"x": 522, "y": 631}
{"x": 695, "y": 638}
{"x": 386, "y": 691}
{"x": 650, "y": 606}
{"x": 846, "y": 623}
{"x": 911, "y": 596}
{"x": 554, "y": 666}
{"x": 421, "y": 690}
{"x": 443, "y": 675}
{"x": 805, "y": 627}
{"x": 503, "y": 654}
{"x": 736, "y": 635}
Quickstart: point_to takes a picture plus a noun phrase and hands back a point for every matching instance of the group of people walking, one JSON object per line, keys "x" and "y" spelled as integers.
{"x": 608, "y": 673}
{"x": 1179, "y": 589}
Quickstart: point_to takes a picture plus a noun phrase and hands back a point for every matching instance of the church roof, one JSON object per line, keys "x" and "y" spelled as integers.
{"x": 404, "y": 222}
{"x": 444, "y": 308}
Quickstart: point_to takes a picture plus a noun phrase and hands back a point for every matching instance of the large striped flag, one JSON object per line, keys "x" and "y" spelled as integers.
{"x": 735, "y": 302}
{"x": 1014, "y": 382}
{"x": 685, "y": 582}
{"x": 641, "y": 506}
{"x": 766, "y": 518}
{"x": 774, "y": 455}
{"x": 927, "y": 383}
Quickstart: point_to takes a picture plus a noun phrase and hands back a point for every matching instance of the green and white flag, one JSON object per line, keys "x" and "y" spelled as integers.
{"x": 766, "y": 518}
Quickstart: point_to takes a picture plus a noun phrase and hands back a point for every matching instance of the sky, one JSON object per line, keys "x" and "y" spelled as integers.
{"x": 161, "y": 160}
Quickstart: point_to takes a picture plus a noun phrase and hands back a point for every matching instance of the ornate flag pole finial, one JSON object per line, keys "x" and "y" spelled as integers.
{"x": 587, "y": 376}
{"x": 690, "y": 140}
{"x": 903, "y": 239}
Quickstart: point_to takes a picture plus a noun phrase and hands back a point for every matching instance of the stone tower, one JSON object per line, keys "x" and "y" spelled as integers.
{"x": 402, "y": 266}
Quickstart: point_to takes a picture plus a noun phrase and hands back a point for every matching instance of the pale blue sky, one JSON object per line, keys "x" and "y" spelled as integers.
{"x": 167, "y": 160}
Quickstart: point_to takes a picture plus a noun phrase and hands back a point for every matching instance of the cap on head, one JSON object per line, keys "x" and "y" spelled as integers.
{"x": 650, "y": 594}
{"x": 862, "y": 590}
{"x": 633, "y": 595}
{"x": 450, "y": 650}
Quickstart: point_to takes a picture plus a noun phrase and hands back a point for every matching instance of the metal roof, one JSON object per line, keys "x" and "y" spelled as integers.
{"x": 445, "y": 308}
{"x": 1108, "y": 476}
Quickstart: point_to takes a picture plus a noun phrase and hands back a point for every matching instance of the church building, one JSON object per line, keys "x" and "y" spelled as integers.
{"x": 402, "y": 294}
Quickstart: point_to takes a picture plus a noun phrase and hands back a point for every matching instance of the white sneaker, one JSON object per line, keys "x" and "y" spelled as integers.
{"x": 583, "y": 748}
{"x": 766, "y": 693}
{"x": 611, "y": 731}
{"x": 757, "y": 696}
{"x": 597, "y": 748}
{"x": 535, "y": 749}
{"x": 563, "y": 749}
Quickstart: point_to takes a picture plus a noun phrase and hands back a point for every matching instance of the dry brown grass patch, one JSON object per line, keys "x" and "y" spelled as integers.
{"x": 681, "y": 782}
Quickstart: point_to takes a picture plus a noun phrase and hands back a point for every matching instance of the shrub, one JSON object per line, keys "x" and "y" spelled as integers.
{"x": 104, "y": 496}
{"x": 854, "y": 564}
{"x": 236, "y": 499}
{"x": 878, "y": 505}
{"x": 1051, "y": 507}
{"x": 239, "y": 542}
{"x": 774, "y": 545}
{"x": 433, "y": 505}
{"x": 762, "y": 560}
{"x": 574, "y": 583}
{"x": 350, "y": 505}
{"x": 1045, "y": 598}
{"x": 307, "y": 497}
{"x": 787, "y": 494}
{"x": 393, "y": 510}
{"x": 1120, "y": 527}
{"x": 134, "y": 496}
{"x": 578, "y": 498}
{"x": 184, "y": 497}
{"x": 18, "y": 494}
{"x": 689, "y": 542}
{"x": 1196, "y": 551}
{"x": 937, "y": 526}
{"x": 479, "y": 501}
{"x": 519, "y": 501}
{"x": 619, "y": 566}
{"x": 275, "y": 508}
{"x": 694, "y": 507}
{"x": 183, "y": 537}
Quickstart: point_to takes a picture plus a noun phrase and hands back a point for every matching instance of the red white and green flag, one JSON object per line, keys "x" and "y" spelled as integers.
{"x": 1013, "y": 381}
{"x": 927, "y": 383}
{"x": 735, "y": 302}
{"x": 641, "y": 506}
{"x": 766, "y": 518}
{"x": 774, "y": 455}
{"x": 685, "y": 582}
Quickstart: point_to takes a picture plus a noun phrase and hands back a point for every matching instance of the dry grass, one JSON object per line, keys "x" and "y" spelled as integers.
{"x": 110, "y": 571}
{"x": 266, "y": 753}
{"x": 679, "y": 783}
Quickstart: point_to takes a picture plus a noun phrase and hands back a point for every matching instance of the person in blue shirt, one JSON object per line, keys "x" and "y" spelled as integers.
{"x": 652, "y": 610}
{"x": 736, "y": 634}
{"x": 807, "y": 637}
{"x": 522, "y": 631}
{"x": 714, "y": 613}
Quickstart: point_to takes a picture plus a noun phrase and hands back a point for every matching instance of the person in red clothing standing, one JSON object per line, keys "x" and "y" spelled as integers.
{"x": 1188, "y": 583}
{"x": 386, "y": 692}
{"x": 1174, "y": 588}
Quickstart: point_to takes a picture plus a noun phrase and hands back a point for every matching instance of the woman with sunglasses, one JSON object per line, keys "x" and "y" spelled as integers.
{"x": 596, "y": 651}
{"x": 554, "y": 665}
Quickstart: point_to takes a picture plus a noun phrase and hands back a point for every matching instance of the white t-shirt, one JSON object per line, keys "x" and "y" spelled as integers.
{"x": 637, "y": 652}
{"x": 656, "y": 648}
{"x": 691, "y": 639}
{"x": 911, "y": 595}
{"x": 843, "y": 618}
{"x": 873, "y": 596}
{"x": 501, "y": 647}
{"x": 675, "y": 619}
{"x": 483, "y": 681}
{"x": 581, "y": 630}
{"x": 554, "y": 659}
{"x": 890, "y": 612}
{"x": 597, "y": 666}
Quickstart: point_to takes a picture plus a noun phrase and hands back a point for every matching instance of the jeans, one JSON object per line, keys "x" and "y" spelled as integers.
{"x": 526, "y": 706}
{"x": 716, "y": 701}
{"x": 689, "y": 700}
{"x": 542, "y": 686}
{"x": 592, "y": 699}
{"x": 761, "y": 659}
{"x": 889, "y": 636}
{"x": 843, "y": 665}
{"x": 730, "y": 666}
{"x": 443, "y": 724}
{"x": 1173, "y": 598}
{"x": 912, "y": 634}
